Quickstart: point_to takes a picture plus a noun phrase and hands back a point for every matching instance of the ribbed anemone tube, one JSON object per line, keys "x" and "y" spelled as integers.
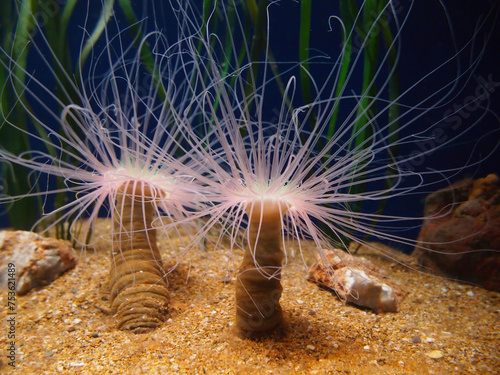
{"x": 258, "y": 285}
{"x": 139, "y": 294}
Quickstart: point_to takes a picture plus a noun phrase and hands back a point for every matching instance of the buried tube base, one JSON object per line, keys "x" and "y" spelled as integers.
{"x": 258, "y": 285}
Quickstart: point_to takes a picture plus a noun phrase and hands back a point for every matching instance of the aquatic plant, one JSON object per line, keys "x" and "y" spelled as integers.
{"x": 287, "y": 178}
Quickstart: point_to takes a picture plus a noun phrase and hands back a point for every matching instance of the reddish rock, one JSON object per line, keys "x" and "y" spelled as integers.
{"x": 461, "y": 236}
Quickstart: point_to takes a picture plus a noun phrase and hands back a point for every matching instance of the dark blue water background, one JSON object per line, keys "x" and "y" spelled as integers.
{"x": 426, "y": 43}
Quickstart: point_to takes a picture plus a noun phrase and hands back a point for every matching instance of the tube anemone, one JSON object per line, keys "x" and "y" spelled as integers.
{"x": 317, "y": 183}
{"x": 109, "y": 144}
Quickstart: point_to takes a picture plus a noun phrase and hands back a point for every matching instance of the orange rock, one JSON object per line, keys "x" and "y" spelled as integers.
{"x": 461, "y": 236}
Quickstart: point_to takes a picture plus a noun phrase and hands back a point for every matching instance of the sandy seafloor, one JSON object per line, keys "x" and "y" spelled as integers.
{"x": 64, "y": 328}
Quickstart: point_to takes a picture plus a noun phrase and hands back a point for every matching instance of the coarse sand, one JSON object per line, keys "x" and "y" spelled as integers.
{"x": 443, "y": 327}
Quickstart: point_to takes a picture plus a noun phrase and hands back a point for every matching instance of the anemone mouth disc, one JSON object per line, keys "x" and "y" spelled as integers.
{"x": 266, "y": 210}
{"x": 138, "y": 190}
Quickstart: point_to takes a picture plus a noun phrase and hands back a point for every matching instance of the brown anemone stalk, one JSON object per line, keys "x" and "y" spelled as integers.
{"x": 258, "y": 286}
{"x": 139, "y": 294}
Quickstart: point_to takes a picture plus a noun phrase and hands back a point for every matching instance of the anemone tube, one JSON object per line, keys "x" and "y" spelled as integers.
{"x": 139, "y": 294}
{"x": 258, "y": 285}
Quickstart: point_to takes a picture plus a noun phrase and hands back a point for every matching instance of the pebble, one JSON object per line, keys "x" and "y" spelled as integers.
{"x": 311, "y": 347}
{"x": 352, "y": 284}
{"x": 416, "y": 339}
{"x": 435, "y": 354}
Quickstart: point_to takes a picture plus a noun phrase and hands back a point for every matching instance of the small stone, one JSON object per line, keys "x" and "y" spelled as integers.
{"x": 470, "y": 293}
{"x": 435, "y": 354}
{"x": 352, "y": 284}
{"x": 416, "y": 339}
{"x": 38, "y": 260}
{"x": 366, "y": 347}
{"x": 310, "y": 347}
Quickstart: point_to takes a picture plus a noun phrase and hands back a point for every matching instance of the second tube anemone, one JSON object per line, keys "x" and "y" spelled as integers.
{"x": 285, "y": 179}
